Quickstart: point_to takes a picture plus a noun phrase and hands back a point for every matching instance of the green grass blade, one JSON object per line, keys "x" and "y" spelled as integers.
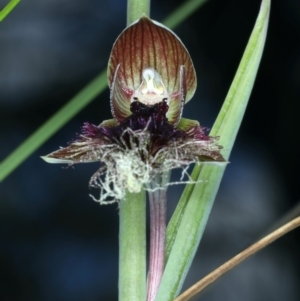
{"x": 182, "y": 12}
{"x": 52, "y": 125}
{"x": 186, "y": 228}
{"x": 8, "y": 8}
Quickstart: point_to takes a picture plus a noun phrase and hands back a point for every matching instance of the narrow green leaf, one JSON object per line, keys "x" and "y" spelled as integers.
{"x": 186, "y": 228}
{"x": 52, "y": 125}
{"x": 183, "y": 12}
{"x": 8, "y": 8}
{"x": 178, "y": 214}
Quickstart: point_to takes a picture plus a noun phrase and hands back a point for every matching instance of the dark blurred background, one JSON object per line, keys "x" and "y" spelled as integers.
{"x": 56, "y": 243}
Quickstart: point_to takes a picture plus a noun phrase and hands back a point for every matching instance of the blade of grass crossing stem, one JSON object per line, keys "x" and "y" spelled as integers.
{"x": 51, "y": 126}
{"x": 189, "y": 228}
{"x": 177, "y": 215}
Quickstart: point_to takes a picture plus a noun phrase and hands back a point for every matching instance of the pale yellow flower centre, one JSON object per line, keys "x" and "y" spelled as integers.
{"x": 152, "y": 90}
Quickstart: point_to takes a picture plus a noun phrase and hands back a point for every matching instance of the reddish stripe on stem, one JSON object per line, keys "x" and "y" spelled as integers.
{"x": 158, "y": 200}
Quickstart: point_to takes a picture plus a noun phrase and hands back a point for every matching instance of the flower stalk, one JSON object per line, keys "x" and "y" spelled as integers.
{"x": 132, "y": 238}
{"x": 136, "y": 8}
{"x": 157, "y": 191}
{"x": 132, "y": 247}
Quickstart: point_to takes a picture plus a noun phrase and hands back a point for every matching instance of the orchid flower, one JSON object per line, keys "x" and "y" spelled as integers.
{"x": 151, "y": 76}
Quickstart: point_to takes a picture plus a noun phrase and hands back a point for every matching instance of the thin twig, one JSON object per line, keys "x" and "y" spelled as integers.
{"x": 284, "y": 219}
{"x": 227, "y": 266}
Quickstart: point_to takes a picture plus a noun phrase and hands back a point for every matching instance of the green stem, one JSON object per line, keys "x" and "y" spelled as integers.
{"x": 132, "y": 235}
{"x": 132, "y": 238}
{"x": 136, "y": 8}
